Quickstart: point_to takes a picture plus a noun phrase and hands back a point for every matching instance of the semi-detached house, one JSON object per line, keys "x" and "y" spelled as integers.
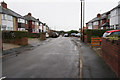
{"x": 115, "y": 17}
{"x": 99, "y": 22}
{"x": 33, "y": 23}
{"x": 108, "y": 20}
{"x": 11, "y": 20}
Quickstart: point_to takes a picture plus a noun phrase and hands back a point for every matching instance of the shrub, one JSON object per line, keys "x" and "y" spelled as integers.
{"x": 33, "y": 35}
{"x": 97, "y": 33}
{"x": 14, "y": 34}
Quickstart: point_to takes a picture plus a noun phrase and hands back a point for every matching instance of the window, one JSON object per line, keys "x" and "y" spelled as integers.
{"x": 9, "y": 18}
{"x": 101, "y": 22}
{"x": 36, "y": 23}
{"x": 3, "y": 27}
{"x": 26, "y": 22}
{"x": 21, "y": 20}
{"x": 116, "y": 33}
{"x": 4, "y": 16}
{"x": 95, "y": 23}
{"x": 33, "y": 23}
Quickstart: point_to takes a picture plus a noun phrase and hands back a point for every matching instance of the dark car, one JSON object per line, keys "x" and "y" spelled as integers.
{"x": 54, "y": 35}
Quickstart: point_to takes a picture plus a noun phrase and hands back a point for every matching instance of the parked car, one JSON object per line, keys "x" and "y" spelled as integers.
{"x": 73, "y": 34}
{"x": 47, "y": 35}
{"x": 78, "y": 35}
{"x": 112, "y": 32}
{"x": 54, "y": 35}
{"x": 66, "y": 35}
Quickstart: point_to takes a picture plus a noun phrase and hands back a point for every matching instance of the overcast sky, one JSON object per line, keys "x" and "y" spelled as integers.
{"x": 61, "y": 14}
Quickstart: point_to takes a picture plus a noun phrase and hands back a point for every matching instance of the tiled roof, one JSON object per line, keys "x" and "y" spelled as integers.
{"x": 103, "y": 16}
{"x": 9, "y": 12}
{"x": 27, "y": 17}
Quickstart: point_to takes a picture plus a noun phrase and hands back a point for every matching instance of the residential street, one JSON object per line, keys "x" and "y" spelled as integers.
{"x": 57, "y": 59}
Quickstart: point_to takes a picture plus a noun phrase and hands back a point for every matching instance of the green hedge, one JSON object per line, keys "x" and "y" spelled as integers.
{"x": 14, "y": 34}
{"x": 33, "y": 35}
{"x": 94, "y": 33}
{"x": 19, "y": 34}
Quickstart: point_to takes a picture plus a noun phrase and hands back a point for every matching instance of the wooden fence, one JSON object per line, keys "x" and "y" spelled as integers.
{"x": 95, "y": 41}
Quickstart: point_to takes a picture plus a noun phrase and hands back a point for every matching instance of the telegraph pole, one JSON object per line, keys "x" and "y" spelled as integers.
{"x": 81, "y": 19}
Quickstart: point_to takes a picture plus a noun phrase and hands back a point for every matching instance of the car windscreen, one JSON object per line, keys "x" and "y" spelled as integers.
{"x": 105, "y": 34}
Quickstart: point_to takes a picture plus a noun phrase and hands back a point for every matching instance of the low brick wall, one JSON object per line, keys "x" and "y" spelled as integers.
{"x": 111, "y": 54}
{"x": 43, "y": 36}
{"x": 18, "y": 41}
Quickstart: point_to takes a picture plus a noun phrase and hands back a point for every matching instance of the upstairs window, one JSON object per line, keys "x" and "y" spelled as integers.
{"x": 9, "y": 18}
{"x": 95, "y": 23}
{"x": 36, "y": 23}
{"x": 26, "y": 22}
{"x": 21, "y": 20}
{"x": 4, "y": 16}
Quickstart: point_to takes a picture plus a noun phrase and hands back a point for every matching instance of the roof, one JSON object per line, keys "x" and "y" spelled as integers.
{"x": 103, "y": 16}
{"x": 9, "y": 12}
{"x": 113, "y": 31}
{"x": 116, "y": 7}
{"x": 27, "y": 17}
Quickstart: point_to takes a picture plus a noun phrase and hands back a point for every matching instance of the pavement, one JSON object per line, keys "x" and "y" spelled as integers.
{"x": 7, "y": 46}
{"x": 93, "y": 66}
{"x": 12, "y": 49}
{"x": 57, "y": 58}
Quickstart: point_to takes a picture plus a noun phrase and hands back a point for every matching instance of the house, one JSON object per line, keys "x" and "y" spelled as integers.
{"x": 47, "y": 29}
{"x": 10, "y": 20}
{"x": 40, "y": 26}
{"x": 99, "y": 22}
{"x": 44, "y": 27}
{"x": 115, "y": 17}
{"x": 33, "y": 23}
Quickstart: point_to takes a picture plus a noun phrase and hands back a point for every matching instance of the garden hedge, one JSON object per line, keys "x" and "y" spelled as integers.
{"x": 94, "y": 33}
{"x": 14, "y": 34}
{"x": 19, "y": 34}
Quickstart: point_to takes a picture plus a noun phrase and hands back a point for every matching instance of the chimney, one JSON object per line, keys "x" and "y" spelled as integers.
{"x": 29, "y": 14}
{"x": 38, "y": 19}
{"x": 98, "y": 15}
{"x": 4, "y": 5}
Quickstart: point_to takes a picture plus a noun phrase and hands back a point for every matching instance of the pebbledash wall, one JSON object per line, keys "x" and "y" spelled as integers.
{"x": 111, "y": 54}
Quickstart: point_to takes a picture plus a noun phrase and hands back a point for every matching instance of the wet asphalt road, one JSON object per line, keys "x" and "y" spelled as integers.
{"x": 58, "y": 58}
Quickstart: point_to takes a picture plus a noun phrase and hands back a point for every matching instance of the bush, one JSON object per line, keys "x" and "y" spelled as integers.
{"x": 97, "y": 33}
{"x": 14, "y": 34}
{"x": 33, "y": 35}
{"x": 72, "y": 31}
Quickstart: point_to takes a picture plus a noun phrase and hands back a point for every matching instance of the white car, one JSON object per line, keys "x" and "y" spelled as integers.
{"x": 66, "y": 35}
{"x": 78, "y": 35}
{"x": 47, "y": 35}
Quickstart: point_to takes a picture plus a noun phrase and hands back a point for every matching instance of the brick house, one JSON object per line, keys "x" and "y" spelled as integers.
{"x": 10, "y": 20}
{"x": 115, "y": 17}
{"x": 47, "y": 29}
{"x": 99, "y": 22}
{"x": 33, "y": 23}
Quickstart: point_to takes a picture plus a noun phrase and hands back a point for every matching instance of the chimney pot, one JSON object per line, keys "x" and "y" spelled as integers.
{"x": 98, "y": 15}
{"x": 29, "y": 14}
{"x": 4, "y": 5}
{"x": 38, "y": 19}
